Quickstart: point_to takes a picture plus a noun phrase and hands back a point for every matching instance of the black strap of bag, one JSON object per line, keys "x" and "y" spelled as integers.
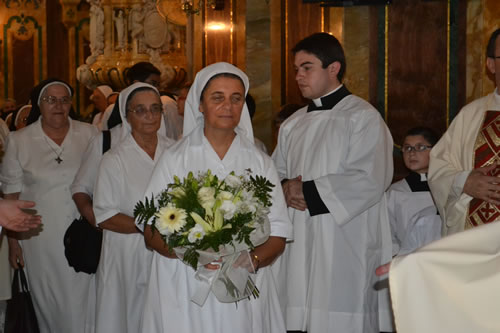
{"x": 106, "y": 141}
{"x": 20, "y": 315}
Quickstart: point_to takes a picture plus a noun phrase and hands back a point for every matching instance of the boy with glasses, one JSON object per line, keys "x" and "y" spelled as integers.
{"x": 412, "y": 212}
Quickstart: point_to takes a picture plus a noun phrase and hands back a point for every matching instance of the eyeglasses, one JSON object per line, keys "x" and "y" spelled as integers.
{"x": 51, "y": 100}
{"x": 141, "y": 110}
{"x": 417, "y": 148}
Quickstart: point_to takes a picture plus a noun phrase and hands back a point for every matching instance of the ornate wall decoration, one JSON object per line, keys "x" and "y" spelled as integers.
{"x": 123, "y": 33}
{"x": 22, "y": 3}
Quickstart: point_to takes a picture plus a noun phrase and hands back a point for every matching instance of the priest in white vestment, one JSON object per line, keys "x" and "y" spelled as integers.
{"x": 451, "y": 285}
{"x": 464, "y": 165}
{"x": 335, "y": 161}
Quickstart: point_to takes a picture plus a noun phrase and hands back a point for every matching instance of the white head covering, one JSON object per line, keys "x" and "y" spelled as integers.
{"x": 51, "y": 84}
{"x": 192, "y": 115}
{"x": 122, "y": 103}
{"x": 19, "y": 112}
{"x": 106, "y": 90}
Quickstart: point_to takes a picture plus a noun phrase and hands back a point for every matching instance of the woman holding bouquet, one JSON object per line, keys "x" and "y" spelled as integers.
{"x": 218, "y": 137}
{"x": 124, "y": 173}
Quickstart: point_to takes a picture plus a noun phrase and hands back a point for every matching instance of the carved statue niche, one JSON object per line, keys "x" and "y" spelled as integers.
{"x": 96, "y": 33}
{"x": 121, "y": 28}
{"x": 135, "y": 21}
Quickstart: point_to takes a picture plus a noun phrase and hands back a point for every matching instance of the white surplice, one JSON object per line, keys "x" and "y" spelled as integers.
{"x": 413, "y": 217}
{"x": 125, "y": 262}
{"x": 327, "y": 272}
{"x": 452, "y": 159}
{"x": 62, "y": 298}
{"x": 451, "y": 285}
{"x": 168, "y": 307}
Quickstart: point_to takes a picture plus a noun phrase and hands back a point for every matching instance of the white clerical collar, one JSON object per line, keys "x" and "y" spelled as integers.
{"x": 317, "y": 101}
{"x": 423, "y": 177}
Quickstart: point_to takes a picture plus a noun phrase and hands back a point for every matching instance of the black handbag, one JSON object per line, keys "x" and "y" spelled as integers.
{"x": 20, "y": 316}
{"x": 82, "y": 241}
{"x": 82, "y": 246}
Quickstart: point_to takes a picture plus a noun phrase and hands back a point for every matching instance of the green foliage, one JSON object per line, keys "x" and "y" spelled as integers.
{"x": 143, "y": 212}
{"x": 262, "y": 189}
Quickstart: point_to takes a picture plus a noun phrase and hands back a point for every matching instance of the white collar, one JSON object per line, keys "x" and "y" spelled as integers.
{"x": 317, "y": 101}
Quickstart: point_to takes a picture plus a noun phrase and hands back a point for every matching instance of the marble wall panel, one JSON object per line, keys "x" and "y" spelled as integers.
{"x": 356, "y": 43}
{"x": 258, "y": 66}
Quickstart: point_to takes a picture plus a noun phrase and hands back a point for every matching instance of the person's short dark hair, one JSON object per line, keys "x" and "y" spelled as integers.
{"x": 326, "y": 48}
{"x": 250, "y": 105}
{"x": 428, "y": 134}
{"x": 490, "y": 49}
{"x": 141, "y": 71}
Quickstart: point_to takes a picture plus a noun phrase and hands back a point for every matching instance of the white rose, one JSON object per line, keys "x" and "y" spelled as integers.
{"x": 228, "y": 208}
{"x": 233, "y": 181}
{"x": 225, "y": 196}
{"x": 206, "y": 194}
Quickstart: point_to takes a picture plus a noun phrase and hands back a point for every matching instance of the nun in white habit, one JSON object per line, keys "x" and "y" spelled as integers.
{"x": 122, "y": 178}
{"x": 218, "y": 136}
{"x": 39, "y": 165}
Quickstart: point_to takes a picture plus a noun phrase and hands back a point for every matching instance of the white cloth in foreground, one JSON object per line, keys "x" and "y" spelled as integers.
{"x": 452, "y": 159}
{"x": 326, "y": 274}
{"x": 168, "y": 307}
{"x": 451, "y": 285}
{"x": 125, "y": 262}
{"x": 60, "y": 295}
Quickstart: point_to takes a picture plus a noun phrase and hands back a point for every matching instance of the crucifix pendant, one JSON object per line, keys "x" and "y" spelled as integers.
{"x": 58, "y": 160}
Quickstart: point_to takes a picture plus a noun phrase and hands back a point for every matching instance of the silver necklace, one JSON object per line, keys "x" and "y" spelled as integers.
{"x": 58, "y": 159}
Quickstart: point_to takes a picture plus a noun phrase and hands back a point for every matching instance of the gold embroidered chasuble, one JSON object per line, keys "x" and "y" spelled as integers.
{"x": 486, "y": 152}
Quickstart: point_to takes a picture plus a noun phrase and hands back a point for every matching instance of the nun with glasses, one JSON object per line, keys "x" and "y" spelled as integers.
{"x": 39, "y": 165}
{"x": 217, "y": 136}
{"x": 123, "y": 175}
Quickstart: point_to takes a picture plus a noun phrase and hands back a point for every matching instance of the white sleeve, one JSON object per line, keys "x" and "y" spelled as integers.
{"x": 11, "y": 175}
{"x": 86, "y": 176}
{"x": 278, "y": 155}
{"x": 108, "y": 189}
{"x": 281, "y": 226}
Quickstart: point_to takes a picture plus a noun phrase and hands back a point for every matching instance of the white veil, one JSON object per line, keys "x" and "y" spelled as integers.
{"x": 192, "y": 115}
{"x": 122, "y": 100}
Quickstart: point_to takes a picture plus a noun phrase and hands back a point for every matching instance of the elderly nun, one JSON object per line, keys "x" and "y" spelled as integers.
{"x": 40, "y": 163}
{"x": 123, "y": 175}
